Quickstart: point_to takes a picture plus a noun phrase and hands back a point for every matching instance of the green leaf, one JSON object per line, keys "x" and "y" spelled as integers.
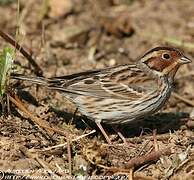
{"x": 6, "y": 62}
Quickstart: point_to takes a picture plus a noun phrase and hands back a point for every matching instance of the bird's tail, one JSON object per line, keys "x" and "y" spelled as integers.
{"x": 52, "y": 83}
{"x": 36, "y": 80}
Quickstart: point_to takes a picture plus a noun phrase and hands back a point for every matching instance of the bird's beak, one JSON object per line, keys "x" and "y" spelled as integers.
{"x": 185, "y": 60}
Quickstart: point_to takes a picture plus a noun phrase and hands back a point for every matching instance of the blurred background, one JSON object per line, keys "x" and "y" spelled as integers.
{"x": 69, "y": 34}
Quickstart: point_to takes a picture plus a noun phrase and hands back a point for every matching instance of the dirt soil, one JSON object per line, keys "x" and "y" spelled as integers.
{"x": 45, "y": 137}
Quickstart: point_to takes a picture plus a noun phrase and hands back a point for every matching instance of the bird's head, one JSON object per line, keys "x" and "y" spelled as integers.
{"x": 164, "y": 61}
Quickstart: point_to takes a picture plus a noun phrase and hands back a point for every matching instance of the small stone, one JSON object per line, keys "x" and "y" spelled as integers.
{"x": 112, "y": 62}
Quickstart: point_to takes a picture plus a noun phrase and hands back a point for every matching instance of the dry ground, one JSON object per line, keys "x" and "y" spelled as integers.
{"x": 79, "y": 35}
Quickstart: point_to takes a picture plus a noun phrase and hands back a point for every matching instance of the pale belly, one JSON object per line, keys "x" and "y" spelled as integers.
{"x": 118, "y": 111}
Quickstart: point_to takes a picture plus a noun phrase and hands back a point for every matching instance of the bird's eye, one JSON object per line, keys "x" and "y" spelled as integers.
{"x": 166, "y": 56}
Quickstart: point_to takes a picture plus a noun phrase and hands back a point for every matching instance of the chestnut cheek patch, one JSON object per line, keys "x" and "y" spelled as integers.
{"x": 158, "y": 64}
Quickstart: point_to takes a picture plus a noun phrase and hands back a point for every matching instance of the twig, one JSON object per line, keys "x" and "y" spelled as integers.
{"x": 143, "y": 147}
{"x": 187, "y": 101}
{"x": 155, "y": 140}
{"x": 42, "y": 163}
{"x": 35, "y": 119}
{"x": 69, "y": 153}
{"x": 65, "y": 144}
{"x": 137, "y": 161}
{"x": 153, "y": 156}
{"x": 130, "y": 176}
{"x": 41, "y": 123}
{"x": 26, "y": 54}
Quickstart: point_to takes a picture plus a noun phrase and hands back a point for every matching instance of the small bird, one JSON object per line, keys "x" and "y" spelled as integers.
{"x": 120, "y": 94}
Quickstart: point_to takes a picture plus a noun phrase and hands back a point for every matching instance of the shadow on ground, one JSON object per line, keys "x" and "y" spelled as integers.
{"x": 162, "y": 122}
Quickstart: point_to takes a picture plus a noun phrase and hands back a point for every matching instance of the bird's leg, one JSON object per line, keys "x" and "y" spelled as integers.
{"x": 120, "y": 135}
{"x": 103, "y": 132}
{"x": 125, "y": 143}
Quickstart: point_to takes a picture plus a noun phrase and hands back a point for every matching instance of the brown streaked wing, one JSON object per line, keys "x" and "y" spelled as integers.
{"x": 125, "y": 81}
